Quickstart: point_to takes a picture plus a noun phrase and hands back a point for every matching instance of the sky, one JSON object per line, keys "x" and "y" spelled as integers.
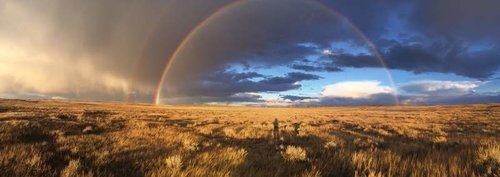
{"x": 252, "y": 52}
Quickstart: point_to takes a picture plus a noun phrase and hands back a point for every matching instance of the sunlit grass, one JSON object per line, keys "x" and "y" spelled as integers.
{"x": 83, "y": 139}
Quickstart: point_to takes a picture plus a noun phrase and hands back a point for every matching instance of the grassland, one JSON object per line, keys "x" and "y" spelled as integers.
{"x": 58, "y": 138}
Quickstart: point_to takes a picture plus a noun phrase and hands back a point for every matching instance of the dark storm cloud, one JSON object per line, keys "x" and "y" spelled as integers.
{"x": 444, "y": 56}
{"x": 440, "y": 36}
{"x": 226, "y": 84}
{"x": 473, "y": 98}
{"x": 232, "y": 76}
{"x": 295, "y": 98}
{"x": 354, "y": 60}
{"x": 470, "y": 20}
{"x": 440, "y": 87}
{"x": 388, "y": 99}
{"x": 312, "y": 68}
{"x": 297, "y": 76}
{"x": 306, "y": 67}
{"x": 375, "y": 99}
{"x": 235, "y": 98}
{"x": 371, "y": 17}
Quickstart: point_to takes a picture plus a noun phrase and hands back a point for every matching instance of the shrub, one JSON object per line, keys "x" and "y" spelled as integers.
{"x": 439, "y": 139}
{"x": 294, "y": 153}
{"x": 331, "y": 145}
{"x": 66, "y": 117}
{"x": 96, "y": 114}
{"x": 75, "y": 169}
{"x": 173, "y": 163}
{"x": 488, "y": 159}
{"x": 313, "y": 172}
{"x": 234, "y": 156}
{"x": 190, "y": 145}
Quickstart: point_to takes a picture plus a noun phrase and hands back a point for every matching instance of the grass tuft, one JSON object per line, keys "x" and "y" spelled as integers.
{"x": 294, "y": 153}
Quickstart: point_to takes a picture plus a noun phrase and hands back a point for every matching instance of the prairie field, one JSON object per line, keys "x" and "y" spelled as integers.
{"x": 70, "y": 138}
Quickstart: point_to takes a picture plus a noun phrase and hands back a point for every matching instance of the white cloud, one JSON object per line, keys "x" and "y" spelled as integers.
{"x": 276, "y": 102}
{"x": 246, "y": 95}
{"x": 433, "y": 87}
{"x": 328, "y": 52}
{"x": 355, "y": 89}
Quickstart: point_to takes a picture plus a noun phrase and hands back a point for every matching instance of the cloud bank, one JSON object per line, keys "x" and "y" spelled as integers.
{"x": 431, "y": 87}
{"x": 425, "y": 92}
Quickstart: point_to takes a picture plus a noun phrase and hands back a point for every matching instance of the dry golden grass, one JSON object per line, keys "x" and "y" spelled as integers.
{"x": 57, "y": 138}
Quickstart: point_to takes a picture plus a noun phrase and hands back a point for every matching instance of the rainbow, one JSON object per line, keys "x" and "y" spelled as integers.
{"x": 219, "y": 11}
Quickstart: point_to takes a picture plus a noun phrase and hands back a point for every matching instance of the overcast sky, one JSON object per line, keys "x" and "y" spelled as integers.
{"x": 252, "y": 52}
